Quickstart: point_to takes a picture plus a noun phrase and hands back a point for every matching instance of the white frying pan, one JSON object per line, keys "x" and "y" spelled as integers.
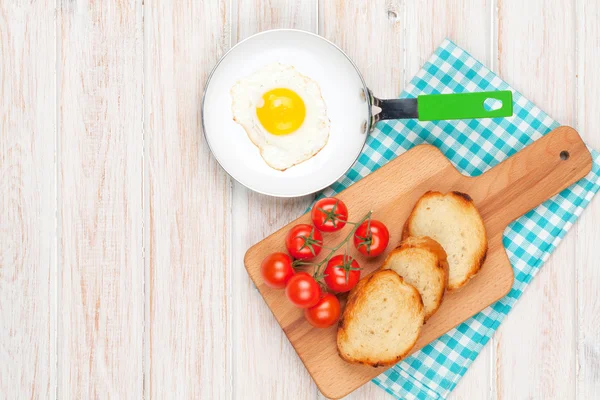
{"x": 349, "y": 108}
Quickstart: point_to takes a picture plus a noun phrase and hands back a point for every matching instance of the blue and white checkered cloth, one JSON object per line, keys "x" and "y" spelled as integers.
{"x": 473, "y": 146}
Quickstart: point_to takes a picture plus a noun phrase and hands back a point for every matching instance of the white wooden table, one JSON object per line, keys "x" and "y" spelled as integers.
{"x": 121, "y": 239}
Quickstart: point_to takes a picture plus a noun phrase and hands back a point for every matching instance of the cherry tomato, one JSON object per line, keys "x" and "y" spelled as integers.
{"x": 276, "y": 270}
{"x": 304, "y": 242}
{"x": 325, "y": 313}
{"x": 302, "y": 290}
{"x": 329, "y": 214}
{"x": 342, "y": 273}
{"x": 371, "y": 238}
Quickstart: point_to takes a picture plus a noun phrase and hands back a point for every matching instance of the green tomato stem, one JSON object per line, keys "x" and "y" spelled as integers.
{"x": 343, "y": 242}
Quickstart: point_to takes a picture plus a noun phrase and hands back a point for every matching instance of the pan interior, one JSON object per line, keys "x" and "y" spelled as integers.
{"x": 341, "y": 87}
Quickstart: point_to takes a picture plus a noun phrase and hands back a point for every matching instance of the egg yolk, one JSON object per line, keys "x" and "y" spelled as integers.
{"x": 282, "y": 111}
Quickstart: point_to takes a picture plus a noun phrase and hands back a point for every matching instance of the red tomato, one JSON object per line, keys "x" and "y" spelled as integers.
{"x": 302, "y": 290}
{"x": 329, "y": 214}
{"x": 276, "y": 270}
{"x": 304, "y": 242}
{"x": 371, "y": 238}
{"x": 325, "y": 313}
{"x": 342, "y": 273}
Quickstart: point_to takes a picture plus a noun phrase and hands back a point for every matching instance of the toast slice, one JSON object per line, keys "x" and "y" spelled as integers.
{"x": 453, "y": 221}
{"x": 381, "y": 322}
{"x": 421, "y": 262}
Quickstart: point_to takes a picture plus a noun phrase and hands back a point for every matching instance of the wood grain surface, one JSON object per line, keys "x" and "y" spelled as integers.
{"x": 555, "y": 72}
{"x": 28, "y": 267}
{"x": 255, "y": 216}
{"x": 100, "y": 280}
{"x": 501, "y": 195}
{"x": 470, "y": 24}
{"x": 187, "y": 239}
{"x": 372, "y": 34}
{"x": 122, "y": 240}
{"x": 587, "y": 231}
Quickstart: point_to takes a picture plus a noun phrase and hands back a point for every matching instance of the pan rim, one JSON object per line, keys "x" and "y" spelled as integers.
{"x": 365, "y": 89}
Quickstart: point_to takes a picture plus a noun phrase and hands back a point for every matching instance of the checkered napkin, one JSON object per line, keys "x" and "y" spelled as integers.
{"x": 473, "y": 146}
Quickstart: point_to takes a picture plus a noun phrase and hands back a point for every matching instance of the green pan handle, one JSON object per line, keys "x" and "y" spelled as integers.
{"x": 433, "y": 107}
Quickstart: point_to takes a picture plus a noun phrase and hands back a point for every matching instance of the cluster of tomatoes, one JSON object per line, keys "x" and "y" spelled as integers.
{"x": 341, "y": 272}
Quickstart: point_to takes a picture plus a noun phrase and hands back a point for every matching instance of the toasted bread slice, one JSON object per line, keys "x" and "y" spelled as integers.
{"x": 421, "y": 262}
{"x": 381, "y": 322}
{"x": 453, "y": 221}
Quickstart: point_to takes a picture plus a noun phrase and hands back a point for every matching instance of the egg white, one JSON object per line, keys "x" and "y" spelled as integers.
{"x": 281, "y": 151}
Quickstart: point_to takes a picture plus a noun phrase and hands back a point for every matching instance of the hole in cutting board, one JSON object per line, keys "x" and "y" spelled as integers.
{"x": 492, "y": 104}
{"x": 564, "y": 155}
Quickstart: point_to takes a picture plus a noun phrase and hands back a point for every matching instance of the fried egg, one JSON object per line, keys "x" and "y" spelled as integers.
{"x": 283, "y": 113}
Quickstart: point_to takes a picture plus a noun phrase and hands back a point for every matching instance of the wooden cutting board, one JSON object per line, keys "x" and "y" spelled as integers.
{"x": 502, "y": 194}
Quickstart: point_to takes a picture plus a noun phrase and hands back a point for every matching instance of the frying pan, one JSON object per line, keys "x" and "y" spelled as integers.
{"x": 350, "y": 108}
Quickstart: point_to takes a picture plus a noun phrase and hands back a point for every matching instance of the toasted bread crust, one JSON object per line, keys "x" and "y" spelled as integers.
{"x": 350, "y": 303}
{"x": 428, "y": 244}
{"x": 422, "y": 242}
{"x": 359, "y": 294}
{"x": 464, "y": 196}
{"x": 467, "y": 201}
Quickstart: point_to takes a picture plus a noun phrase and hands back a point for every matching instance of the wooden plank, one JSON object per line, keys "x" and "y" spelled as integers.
{"x": 371, "y": 33}
{"x": 468, "y": 24}
{"x": 389, "y": 50}
{"x": 101, "y": 301}
{"x": 428, "y": 23}
{"x": 587, "y": 234}
{"x": 501, "y": 195}
{"x": 187, "y": 223}
{"x": 27, "y": 200}
{"x": 266, "y": 365}
{"x": 535, "y": 351}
